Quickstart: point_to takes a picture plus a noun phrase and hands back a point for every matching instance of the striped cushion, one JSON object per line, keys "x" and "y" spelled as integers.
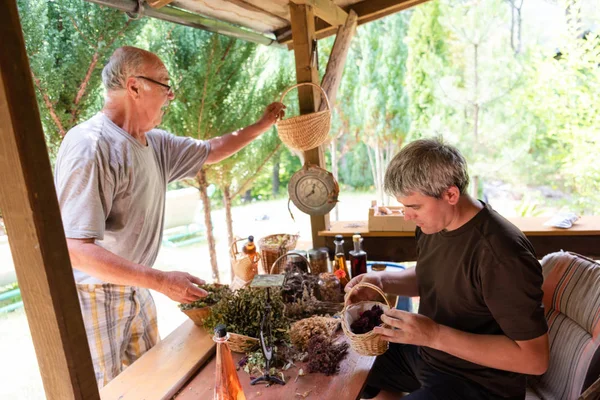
{"x": 572, "y": 302}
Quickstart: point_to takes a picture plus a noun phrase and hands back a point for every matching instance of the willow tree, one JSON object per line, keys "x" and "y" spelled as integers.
{"x": 68, "y": 43}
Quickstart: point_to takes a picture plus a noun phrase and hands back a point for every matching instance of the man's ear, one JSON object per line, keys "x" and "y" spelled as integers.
{"x": 133, "y": 87}
{"x": 452, "y": 195}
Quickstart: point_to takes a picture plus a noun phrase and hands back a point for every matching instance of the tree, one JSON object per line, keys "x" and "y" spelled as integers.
{"x": 219, "y": 89}
{"x": 68, "y": 43}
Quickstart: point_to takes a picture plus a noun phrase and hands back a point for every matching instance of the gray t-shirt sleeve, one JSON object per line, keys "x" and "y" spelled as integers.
{"x": 84, "y": 193}
{"x": 185, "y": 156}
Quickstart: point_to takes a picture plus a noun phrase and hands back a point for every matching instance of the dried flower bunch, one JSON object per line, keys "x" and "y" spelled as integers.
{"x": 242, "y": 313}
{"x": 324, "y": 355}
{"x": 215, "y": 294}
{"x": 296, "y": 283}
{"x": 303, "y": 330}
{"x": 368, "y": 320}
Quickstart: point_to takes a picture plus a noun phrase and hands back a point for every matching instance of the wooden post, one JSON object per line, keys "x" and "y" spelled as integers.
{"x": 303, "y": 32}
{"x": 30, "y": 208}
{"x": 337, "y": 58}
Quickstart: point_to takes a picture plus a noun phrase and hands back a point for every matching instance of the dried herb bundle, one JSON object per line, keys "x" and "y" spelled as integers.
{"x": 215, "y": 294}
{"x": 242, "y": 313}
{"x": 296, "y": 283}
{"x": 303, "y": 330}
{"x": 324, "y": 355}
{"x": 368, "y": 320}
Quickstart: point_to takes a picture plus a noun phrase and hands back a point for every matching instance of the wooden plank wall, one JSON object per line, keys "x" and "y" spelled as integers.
{"x": 30, "y": 209}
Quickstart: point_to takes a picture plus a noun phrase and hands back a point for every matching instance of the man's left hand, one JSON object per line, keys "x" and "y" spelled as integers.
{"x": 272, "y": 114}
{"x": 408, "y": 328}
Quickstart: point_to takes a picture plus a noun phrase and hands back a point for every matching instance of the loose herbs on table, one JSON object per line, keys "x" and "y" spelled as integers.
{"x": 324, "y": 355}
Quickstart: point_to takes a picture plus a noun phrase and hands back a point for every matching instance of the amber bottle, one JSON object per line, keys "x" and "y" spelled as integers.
{"x": 249, "y": 248}
{"x": 358, "y": 257}
{"x": 339, "y": 262}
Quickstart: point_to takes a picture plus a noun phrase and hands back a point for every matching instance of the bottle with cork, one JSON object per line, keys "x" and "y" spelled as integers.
{"x": 358, "y": 257}
{"x": 339, "y": 262}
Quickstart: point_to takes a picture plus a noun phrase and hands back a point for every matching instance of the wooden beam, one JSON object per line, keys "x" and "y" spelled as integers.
{"x": 158, "y": 3}
{"x": 326, "y": 10}
{"x": 367, "y": 11}
{"x": 337, "y": 58}
{"x": 303, "y": 26}
{"x": 165, "y": 368}
{"x": 30, "y": 209}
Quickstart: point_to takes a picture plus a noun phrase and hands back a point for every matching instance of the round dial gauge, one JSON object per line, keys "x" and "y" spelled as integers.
{"x": 313, "y": 190}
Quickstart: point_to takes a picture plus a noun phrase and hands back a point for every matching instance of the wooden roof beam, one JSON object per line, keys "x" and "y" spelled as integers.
{"x": 367, "y": 11}
{"x": 326, "y": 10}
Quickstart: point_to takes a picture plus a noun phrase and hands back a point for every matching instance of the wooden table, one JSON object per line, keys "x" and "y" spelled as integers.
{"x": 582, "y": 238}
{"x": 346, "y": 385}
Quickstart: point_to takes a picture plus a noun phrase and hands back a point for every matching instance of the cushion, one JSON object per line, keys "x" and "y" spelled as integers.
{"x": 572, "y": 301}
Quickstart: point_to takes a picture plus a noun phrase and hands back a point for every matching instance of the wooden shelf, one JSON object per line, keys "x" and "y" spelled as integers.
{"x": 585, "y": 226}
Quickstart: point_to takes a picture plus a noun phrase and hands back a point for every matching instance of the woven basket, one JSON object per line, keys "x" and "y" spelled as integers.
{"x": 307, "y": 131}
{"x": 271, "y": 252}
{"x": 243, "y": 266}
{"x": 275, "y": 267}
{"x": 198, "y": 315}
{"x": 241, "y": 343}
{"x": 365, "y": 344}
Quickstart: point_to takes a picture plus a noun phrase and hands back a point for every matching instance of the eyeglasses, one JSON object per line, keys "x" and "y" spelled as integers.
{"x": 168, "y": 87}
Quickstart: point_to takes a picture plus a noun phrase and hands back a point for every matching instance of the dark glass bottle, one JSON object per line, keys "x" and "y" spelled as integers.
{"x": 339, "y": 263}
{"x": 358, "y": 257}
{"x": 227, "y": 383}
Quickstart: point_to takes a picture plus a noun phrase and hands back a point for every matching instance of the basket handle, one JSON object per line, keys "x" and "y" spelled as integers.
{"x": 289, "y": 254}
{"x": 307, "y": 84}
{"x": 366, "y": 285}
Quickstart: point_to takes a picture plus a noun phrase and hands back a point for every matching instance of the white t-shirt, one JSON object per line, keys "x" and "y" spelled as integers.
{"x": 112, "y": 188}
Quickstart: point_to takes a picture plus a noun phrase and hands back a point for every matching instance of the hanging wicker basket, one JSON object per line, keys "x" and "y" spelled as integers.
{"x": 273, "y": 247}
{"x": 307, "y": 131}
{"x": 244, "y": 267}
{"x": 365, "y": 344}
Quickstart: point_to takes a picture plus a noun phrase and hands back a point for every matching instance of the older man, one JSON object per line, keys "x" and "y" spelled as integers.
{"x": 111, "y": 177}
{"x": 480, "y": 328}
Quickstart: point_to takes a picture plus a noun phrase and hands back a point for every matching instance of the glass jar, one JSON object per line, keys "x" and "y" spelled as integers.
{"x": 319, "y": 261}
{"x": 295, "y": 262}
{"x": 329, "y": 287}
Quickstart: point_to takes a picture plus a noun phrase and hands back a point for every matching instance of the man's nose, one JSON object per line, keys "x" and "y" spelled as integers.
{"x": 170, "y": 94}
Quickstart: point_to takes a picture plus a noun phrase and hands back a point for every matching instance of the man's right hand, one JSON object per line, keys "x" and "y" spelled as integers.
{"x": 363, "y": 293}
{"x": 180, "y": 286}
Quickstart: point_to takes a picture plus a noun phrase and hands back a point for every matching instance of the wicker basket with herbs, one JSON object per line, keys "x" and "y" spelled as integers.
{"x": 242, "y": 312}
{"x": 272, "y": 247}
{"x": 200, "y": 309}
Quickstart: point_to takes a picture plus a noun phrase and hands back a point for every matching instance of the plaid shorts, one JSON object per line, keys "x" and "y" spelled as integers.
{"x": 120, "y": 323}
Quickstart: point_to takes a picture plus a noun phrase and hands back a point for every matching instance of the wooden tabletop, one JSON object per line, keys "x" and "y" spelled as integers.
{"x": 585, "y": 226}
{"x": 346, "y": 385}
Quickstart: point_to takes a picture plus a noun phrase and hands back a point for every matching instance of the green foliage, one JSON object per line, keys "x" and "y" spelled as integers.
{"x": 68, "y": 43}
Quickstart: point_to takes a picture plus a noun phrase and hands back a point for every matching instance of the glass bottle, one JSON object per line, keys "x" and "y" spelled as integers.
{"x": 227, "y": 383}
{"x": 319, "y": 259}
{"x": 249, "y": 248}
{"x": 339, "y": 262}
{"x": 358, "y": 257}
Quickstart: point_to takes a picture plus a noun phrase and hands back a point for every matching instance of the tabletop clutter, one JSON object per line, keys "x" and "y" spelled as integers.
{"x": 286, "y": 316}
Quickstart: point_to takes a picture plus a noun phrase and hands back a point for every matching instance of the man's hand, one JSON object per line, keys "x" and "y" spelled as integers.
{"x": 362, "y": 293}
{"x": 180, "y": 286}
{"x": 272, "y": 114}
{"x": 408, "y": 328}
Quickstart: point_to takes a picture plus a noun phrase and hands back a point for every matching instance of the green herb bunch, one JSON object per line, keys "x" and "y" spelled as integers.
{"x": 242, "y": 313}
{"x": 215, "y": 294}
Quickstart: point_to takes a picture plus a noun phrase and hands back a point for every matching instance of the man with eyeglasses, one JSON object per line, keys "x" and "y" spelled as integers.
{"x": 111, "y": 178}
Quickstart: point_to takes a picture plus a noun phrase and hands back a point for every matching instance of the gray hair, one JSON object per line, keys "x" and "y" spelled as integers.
{"x": 126, "y": 61}
{"x": 428, "y": 167}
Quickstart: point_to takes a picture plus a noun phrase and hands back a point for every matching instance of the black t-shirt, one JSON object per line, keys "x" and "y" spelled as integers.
{"x": 481, "y": 278}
